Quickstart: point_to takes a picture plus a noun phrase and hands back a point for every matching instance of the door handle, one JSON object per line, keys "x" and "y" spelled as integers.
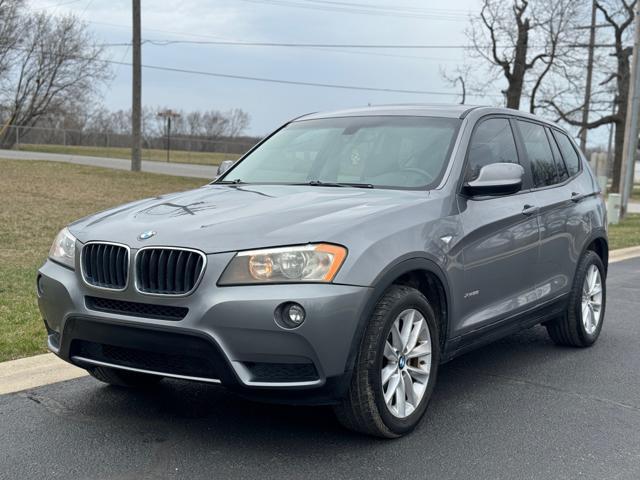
{"x": 576, "y": 197}
{"x": 529, "y": 210}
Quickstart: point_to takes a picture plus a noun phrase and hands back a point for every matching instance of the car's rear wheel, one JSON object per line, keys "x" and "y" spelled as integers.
{"x": 396, "y": 367}
{"x": 124, "y": 378}
{"x": 581, "y": 324}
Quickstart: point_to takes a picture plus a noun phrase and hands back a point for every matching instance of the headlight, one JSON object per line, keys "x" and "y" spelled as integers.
{"x": 63, "y": 249}
{"x": 305, "y": 263}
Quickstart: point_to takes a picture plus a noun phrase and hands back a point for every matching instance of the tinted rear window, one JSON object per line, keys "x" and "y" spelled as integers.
{"x": 571, "y": 158}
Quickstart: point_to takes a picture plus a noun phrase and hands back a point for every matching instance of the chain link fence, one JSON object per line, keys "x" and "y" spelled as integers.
{"x": 183, "y": 149}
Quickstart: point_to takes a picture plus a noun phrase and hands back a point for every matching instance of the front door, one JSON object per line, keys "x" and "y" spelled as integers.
{"x": 501, "y": 237}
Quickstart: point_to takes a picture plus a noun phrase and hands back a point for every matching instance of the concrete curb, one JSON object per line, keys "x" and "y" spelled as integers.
{"x": 31, "y": 372}
{"x": 623, "y": 254}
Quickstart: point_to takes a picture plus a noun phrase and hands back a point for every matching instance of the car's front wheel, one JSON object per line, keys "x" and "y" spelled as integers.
{"x": 581, "y": 323}
{"x": 396, "y": 367}
{"x": 124, "y": 378}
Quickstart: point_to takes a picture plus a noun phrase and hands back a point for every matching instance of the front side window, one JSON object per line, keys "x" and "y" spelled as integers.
{"x": 569, "y": 153}
{"x": 538, "y": 150}
{"x": 492, "y": 142}
{"x": 391, "y": 151}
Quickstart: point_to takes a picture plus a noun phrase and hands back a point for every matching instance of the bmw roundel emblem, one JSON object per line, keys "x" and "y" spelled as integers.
{"x": 146, "y": 235}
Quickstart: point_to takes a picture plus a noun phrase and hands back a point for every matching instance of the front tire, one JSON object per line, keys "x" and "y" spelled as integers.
{"x": 581, "y": 324}
{"x": 124, "y": 378}
{"x": 396, "y": 367}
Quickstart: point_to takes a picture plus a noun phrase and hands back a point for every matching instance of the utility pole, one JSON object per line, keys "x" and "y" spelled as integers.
{"x": 136, "y": 94}
{"x": 631, "y": 125}
{"x": 168, "y": 115}
{"x": 587, "y": 90}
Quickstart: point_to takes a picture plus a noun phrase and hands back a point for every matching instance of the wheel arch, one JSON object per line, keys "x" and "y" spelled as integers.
{"x": 415, "y": 270}
{"x": 599, "y": 244}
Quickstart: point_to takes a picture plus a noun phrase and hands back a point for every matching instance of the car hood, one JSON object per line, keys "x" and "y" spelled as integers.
{"x": 220, "y": 218}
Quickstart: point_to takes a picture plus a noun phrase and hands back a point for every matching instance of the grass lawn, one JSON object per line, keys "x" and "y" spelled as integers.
{"x": 39, "y": 198}
{"x": 626, "y": 233}
{"x": 177, "y": 156}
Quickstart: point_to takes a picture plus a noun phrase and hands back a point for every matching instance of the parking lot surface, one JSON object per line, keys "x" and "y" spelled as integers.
{"x": 520, "y": 408}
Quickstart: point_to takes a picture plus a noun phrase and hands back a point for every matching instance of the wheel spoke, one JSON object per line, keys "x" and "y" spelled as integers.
{"x": 420, "y": 350}
{"x": 407, "y": 325}
{"x": 387, "y": 372}
{"x": 396, "y": 339}
{"x": 394, "y": 381}
{"x": 418, "y": 374}
{"x": 389, "y": 352}
{"x": 408, "y": 388}
{"x": 593, "y": 277}
{"x": 401, "y": 402}
{"x": 415, "y": 333}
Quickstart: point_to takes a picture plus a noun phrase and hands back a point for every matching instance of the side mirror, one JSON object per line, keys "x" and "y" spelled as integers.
{"x": 496, "y": 179}
{"x": 224, "y": 166}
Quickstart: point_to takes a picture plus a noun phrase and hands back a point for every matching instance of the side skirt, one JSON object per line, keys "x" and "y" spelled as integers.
{"x": 490, "y": 333}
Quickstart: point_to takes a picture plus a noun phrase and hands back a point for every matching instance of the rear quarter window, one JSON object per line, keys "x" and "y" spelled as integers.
{"x": 571, "y": 158}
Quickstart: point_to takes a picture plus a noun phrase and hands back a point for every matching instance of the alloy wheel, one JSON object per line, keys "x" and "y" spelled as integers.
{"x": 406, "y": 364}
{"x": 591, "y": 300}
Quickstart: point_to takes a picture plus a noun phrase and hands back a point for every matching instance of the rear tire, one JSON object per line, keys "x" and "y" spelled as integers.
{"x": 373, "y": 405}
{"x": 580, "y": 325}
{"x": 124, "y": 378}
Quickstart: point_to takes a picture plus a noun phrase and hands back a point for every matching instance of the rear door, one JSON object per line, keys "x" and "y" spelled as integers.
{"x": 500, "y": 246}
{"x": 558, "y": 195}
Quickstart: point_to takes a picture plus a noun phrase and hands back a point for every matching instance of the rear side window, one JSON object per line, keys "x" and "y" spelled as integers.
{"x": 569, "y": 153}
{"x": 492, "y": 142}
{"x": 536, "y": 145}
{"x": 561, "y": 168}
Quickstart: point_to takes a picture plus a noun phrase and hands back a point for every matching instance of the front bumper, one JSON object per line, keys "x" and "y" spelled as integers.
{"x": 231, "y": 329}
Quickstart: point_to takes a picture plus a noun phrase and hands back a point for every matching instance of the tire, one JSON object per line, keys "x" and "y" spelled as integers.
{"x": 570, "y": 329}
{"x": 124, "y": 378}
{"x": 364, "y": 408}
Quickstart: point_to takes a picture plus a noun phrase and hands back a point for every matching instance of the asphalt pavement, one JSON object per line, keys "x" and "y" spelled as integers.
{"x": 521, "y": 408}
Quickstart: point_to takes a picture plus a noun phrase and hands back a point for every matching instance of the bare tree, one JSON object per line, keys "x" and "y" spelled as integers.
{"x": 10, "y": 31}
{"x": 56, "y": 66}
{"x": 238, "y": 121}
{"x": 521, "y": 39}
{"x": 619, "y": 16}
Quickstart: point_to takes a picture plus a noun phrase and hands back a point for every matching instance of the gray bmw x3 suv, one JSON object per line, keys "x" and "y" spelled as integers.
{"x": 340, "y": 262}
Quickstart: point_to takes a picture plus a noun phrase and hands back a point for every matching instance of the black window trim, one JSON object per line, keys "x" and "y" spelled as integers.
{"x": 543, "y": 124}
{"x": 521, "y": 158}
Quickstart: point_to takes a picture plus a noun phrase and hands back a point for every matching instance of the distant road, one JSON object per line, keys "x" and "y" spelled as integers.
{"x": 177, "y": 169}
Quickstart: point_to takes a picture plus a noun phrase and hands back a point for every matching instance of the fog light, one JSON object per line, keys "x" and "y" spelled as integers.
{"x": 290, "y": 315}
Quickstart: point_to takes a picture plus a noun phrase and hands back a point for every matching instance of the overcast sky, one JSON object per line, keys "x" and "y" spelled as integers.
{"x": 318, "y": 21}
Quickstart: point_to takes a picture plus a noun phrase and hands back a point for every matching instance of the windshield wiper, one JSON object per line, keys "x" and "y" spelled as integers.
{"x": 318, "y": 183}
{"x": 237, "y": 181}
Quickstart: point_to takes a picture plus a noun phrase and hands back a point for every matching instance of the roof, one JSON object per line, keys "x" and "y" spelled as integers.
{"x": 423, "y": 110}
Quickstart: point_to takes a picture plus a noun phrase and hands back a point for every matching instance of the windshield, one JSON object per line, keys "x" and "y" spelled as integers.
{"x": 392, "y": 152}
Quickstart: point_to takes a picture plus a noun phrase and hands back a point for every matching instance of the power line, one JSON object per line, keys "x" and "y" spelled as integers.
{"x": 374, "y": 46}
{"x": 287, "y": 82}
{"x": 348, "y": 7}
{"x": 263, "y": 79}
{"x": 306, "y": 45}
